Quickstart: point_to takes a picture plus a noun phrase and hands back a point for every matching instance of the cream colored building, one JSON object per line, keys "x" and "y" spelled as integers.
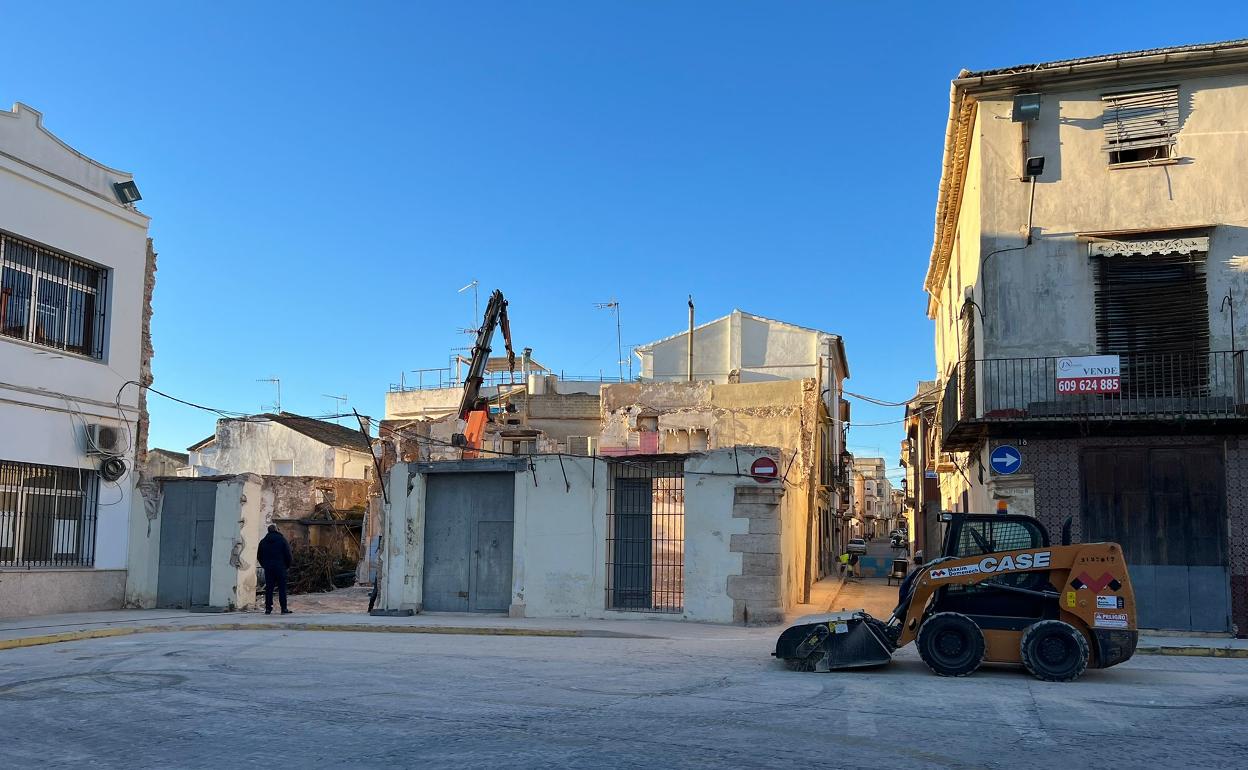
{"x": 1129, "y": 245}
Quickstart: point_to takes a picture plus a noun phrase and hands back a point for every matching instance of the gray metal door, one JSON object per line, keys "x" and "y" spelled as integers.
{"x": 185, "y": 562}
{"x": 632, "y": 545}
{"x": 1167, "y": 508}
{"x": 468, "y": 537}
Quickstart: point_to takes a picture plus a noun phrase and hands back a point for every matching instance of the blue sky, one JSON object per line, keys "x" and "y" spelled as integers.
{"x": 322, "y": 178}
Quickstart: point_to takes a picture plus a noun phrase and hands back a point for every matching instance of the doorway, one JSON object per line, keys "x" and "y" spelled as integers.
{"x": 186, "y": 525}
{"x": 469, "y": 521}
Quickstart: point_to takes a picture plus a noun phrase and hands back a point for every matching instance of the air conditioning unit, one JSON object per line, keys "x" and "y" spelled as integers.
{"x": 105, "y": 440}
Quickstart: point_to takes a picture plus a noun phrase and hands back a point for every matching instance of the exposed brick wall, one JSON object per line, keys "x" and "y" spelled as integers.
{"x": 1055, "y": 466}
{"x": 574, "y": 406}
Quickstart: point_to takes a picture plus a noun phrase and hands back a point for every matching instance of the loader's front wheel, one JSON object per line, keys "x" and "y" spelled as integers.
{"x": 951, "y": 644}
{"x": 1054, "y": 651}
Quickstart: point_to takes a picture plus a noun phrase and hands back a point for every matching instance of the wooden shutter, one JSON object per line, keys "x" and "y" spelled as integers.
{"x": 1141, "y": 119}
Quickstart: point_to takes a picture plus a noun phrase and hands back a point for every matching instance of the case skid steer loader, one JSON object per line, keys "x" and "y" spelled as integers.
{"x": 1000, "y": 593}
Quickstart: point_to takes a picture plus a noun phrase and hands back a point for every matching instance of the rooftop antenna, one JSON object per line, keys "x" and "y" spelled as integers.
{"x": 614, "y": 306}
{"x": 476, "y": 311}
{"x": 277, "y": 405}
{"x": 338, "y": 402}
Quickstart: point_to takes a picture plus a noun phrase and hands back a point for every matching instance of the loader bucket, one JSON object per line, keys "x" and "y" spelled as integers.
{"x": 834, "y": 641}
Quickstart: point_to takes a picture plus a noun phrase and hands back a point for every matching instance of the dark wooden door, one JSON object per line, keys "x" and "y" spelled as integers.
{"x": 1166, "y": 506}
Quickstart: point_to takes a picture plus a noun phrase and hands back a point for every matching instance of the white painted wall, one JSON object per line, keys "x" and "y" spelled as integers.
{"x": 560, "y": 543}
{"x": 51, "y": 195}
{"x": 238, "y": 525}
{"x": 259, "y": 447}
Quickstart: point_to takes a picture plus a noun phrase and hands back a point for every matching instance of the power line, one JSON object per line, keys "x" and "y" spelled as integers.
{"x": 881, "y": 402}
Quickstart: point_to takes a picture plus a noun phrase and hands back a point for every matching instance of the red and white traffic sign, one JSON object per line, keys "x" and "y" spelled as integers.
{"x": 765, "y": 470}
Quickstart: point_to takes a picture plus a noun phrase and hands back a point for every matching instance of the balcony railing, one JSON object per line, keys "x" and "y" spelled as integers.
{"x": 1160, "y": 386}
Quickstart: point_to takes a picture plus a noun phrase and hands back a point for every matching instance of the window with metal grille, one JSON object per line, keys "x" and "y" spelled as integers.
{"x": 51, "y": 299}
{"x": 47, "y": 515}
{"x": 646, "y": 536}
{"x": 1141, "y": 125}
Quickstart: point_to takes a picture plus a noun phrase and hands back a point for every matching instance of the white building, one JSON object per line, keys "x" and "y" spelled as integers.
{"x": 281, "y": 445}
{"x": 75, "y": 269}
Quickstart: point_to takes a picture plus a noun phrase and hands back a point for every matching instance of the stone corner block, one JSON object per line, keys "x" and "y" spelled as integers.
{"x": 754, "y": 544}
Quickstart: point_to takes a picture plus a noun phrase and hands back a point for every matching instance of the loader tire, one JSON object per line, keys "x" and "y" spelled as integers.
{"x": 1054, "y": 651}
{"x": 951, "y": 644}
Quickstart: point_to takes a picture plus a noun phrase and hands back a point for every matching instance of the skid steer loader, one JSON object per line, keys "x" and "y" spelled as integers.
{"x": 999, "y": 593}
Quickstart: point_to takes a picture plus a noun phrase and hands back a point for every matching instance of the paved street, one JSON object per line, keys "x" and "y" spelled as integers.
{"x": 714, "y": 699}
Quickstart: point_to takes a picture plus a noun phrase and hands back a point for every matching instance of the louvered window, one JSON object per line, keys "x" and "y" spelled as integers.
{"x": 1141, "y": 125}
{"x": 1153, "y": 311}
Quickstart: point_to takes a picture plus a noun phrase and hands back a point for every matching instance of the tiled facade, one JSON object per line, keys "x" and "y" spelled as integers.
{"x": 1054, "y": 466}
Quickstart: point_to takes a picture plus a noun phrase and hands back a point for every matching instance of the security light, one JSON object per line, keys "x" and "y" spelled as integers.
{"x": 1026, "y": 107}
{"x": 127, "y": 192}
{"x": 1035, "y": 166}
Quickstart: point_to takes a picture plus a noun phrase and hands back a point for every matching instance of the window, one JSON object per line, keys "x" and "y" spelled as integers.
{"x": 50, "y": 299}
{"x": 47, "y": 515}
{"x": 1141, "y": 125}
{"x": 1153, "y": 311}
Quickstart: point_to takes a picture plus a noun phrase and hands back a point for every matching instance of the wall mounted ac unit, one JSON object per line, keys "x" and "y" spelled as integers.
{"x": 104, "y": 440}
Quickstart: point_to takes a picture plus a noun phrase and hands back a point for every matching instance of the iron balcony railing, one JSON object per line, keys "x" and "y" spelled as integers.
{"x": 1157, "y": 386}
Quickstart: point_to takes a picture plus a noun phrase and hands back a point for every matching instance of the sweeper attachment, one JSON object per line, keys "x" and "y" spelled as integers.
{"x": 1000, "y": 593}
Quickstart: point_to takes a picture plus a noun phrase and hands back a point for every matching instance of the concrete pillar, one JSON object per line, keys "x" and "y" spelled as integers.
{"x": 758, "y": 592}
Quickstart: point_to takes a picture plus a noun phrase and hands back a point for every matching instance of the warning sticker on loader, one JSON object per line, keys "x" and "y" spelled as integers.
{"x": 1110, "y": 620}
{"x": 1109, "y": 602}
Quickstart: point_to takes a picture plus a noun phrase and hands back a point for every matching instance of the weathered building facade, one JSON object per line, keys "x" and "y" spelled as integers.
{"x": 282, "y": 445}
{"x": 76, "y": 271}
{"x": 1087, "y": 264}
{"x": 683, "y": 537}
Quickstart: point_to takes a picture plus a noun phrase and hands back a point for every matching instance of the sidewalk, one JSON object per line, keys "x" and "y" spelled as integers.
{"x": 828, "y": 595}
{"x": 51, "y": 629}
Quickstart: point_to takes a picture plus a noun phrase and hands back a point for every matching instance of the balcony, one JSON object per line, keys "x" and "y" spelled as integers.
{"x": 1024, "y": 393}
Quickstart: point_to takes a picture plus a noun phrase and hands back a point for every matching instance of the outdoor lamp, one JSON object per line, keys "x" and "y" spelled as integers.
{"x": 127, "y": 192}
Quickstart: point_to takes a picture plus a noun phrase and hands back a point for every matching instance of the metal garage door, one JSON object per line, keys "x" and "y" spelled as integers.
{"x": 186, "y": 522}
{"x": 1167, "y": 507}
{"x": 468, "y": 538}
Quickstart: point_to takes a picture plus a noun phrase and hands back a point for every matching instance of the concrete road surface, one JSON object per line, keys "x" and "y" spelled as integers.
{"x": 227, "y": 699}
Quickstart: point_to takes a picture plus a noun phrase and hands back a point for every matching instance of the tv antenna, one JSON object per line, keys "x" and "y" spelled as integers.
{"x": 276, "y": 405}
{"x": 476, "y": 312}
{"x": 614, "y": 306}
{"x": 338, "y": 402}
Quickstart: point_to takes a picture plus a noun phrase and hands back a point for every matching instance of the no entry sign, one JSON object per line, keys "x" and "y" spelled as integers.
{"x": 765, "y": 470}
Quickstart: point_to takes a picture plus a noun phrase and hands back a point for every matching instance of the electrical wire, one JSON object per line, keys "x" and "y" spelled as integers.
{"x": 881, "y": 402}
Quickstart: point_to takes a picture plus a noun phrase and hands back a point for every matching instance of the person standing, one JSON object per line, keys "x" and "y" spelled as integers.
{"x": 274, "y": 555}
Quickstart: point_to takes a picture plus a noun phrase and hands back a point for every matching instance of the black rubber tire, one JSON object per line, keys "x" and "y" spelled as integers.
{"x": 1054, "y": 651}
{"x": 951, "y": 644}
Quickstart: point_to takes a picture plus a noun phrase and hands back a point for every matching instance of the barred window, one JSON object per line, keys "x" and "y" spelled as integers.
{"x": 47, "y": 515}
{"x": 51, "y": 299}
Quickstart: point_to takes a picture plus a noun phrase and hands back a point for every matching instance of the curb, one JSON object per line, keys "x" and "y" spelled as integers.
{"x": 1194, "y": 652}
{"x": 103, "y": 633}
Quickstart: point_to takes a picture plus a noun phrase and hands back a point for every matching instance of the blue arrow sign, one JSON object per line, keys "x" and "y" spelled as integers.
{"x": 1006, "y": 460}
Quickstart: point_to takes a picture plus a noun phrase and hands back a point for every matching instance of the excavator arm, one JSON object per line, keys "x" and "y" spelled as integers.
{"x": 473, "y": 409}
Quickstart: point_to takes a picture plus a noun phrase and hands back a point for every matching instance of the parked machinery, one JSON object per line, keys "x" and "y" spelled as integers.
{"x": 1000, "y": 593}
{"x": 473, "y": 409}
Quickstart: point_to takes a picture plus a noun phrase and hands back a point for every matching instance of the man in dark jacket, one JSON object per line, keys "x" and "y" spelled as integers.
{"x": 274, "y": 555}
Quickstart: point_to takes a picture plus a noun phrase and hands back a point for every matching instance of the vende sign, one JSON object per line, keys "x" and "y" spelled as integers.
{"x": 1089, "y": 374}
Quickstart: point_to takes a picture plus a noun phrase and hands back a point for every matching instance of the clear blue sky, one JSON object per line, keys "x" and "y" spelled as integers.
{"x": 322, "y": 180}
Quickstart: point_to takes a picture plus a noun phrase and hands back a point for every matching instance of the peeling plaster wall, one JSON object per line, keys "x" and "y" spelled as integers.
{"x": 254, "y": 447}
{"x": 296, "y": 497}
{"x": 560, "y": 542}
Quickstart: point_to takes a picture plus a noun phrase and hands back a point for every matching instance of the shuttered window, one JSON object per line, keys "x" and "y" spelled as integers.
{"x": 1153, "y": 311}
{"x": 1141, "y": 125}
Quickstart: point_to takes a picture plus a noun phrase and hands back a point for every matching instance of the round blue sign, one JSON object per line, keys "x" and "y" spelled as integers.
{"x": 1006, "y": 460}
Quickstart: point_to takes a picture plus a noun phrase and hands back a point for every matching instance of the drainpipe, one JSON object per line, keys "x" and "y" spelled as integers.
{"x": 690, "y": 338}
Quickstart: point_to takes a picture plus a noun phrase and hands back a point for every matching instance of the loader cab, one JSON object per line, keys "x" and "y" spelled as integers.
{"x": 975, "y": 534}
{"x": 969, "y": 535}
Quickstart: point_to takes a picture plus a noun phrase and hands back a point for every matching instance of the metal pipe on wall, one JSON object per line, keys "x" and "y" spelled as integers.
{"x": 690, "y": 338}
